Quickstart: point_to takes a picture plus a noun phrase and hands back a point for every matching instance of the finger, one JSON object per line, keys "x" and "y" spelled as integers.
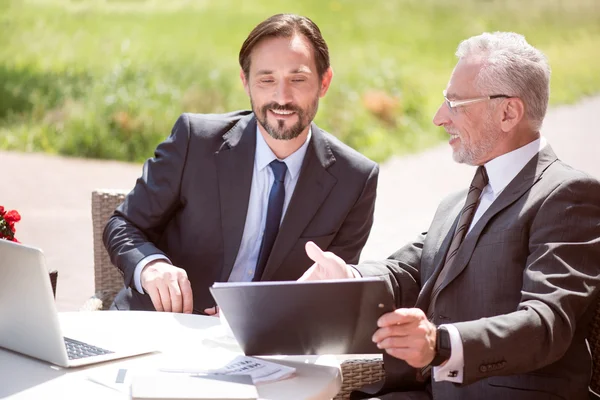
{"x": 165, "y": 297}
{"x": 322, "y": 258}
{"x": 400, "y": 342}
{"x": 401, "y": 316}
{"x": 211, "y": 310}
{"x": 418, "y": 349}
{"x": 155, "y": 297}
{"x": 328, "y": 265}
{"x": 175, "y": 295}
{"x": 315, "y": 253}
{"x": 392, "y": 331}
{"x": 186, "y": 295}
{"x": 411, "y": 356}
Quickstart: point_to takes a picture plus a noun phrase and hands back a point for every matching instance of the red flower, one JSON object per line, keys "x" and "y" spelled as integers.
{"x": 12, "y": 216}
{"x": 7, "y": 224}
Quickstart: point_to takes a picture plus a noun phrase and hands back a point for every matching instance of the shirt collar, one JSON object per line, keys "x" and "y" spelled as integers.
{"x": 503, "y": 169}
{"x": 264, "y": 155}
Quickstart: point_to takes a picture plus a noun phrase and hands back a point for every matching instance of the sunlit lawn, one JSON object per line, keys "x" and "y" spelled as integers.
{"x": 107, "y": 79}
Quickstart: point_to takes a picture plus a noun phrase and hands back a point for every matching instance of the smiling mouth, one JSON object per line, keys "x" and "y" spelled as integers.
{"x": 282, "y": 113}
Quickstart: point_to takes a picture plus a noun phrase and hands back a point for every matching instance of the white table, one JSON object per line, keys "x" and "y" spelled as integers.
{"x": 175, "y": 335}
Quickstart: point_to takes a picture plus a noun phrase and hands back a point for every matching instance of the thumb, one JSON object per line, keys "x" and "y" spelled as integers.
{"x": 326, "y": 260}
{"x": 315, "y": 253}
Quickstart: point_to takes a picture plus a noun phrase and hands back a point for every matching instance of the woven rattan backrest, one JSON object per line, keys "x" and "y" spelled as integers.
{"x": 594, "y": 341}
{"x": 107, "y": 277}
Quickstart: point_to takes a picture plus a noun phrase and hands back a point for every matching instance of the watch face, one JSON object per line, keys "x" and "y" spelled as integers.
{"x": 443, "y": 346}
{"x": 443, "y": 338}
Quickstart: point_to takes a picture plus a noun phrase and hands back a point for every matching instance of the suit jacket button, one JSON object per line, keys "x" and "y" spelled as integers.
{"x": 483, "y": 368}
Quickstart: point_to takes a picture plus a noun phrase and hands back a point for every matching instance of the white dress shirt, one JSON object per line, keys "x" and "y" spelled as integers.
{"x": 501, "y": 171}
{"x": 262, "y": 180}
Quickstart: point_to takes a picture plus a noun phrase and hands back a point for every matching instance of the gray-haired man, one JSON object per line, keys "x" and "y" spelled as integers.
{"x": 494, "y": 301}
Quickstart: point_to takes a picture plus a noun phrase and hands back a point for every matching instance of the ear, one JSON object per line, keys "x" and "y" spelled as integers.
{"x": 326, "y": 81}
{"x": 244, "y": 82}
{"x": 513, "y": 111}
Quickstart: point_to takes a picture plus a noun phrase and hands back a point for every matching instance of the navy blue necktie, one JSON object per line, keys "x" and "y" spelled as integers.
{"x": 274, "y": 212}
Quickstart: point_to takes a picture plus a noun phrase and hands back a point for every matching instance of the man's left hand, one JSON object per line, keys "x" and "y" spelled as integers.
{"x": 407, "y": 334}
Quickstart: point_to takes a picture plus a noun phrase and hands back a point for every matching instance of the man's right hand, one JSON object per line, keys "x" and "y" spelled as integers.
{"x": 327, "y": 265}
{"x": 168, "y": 287}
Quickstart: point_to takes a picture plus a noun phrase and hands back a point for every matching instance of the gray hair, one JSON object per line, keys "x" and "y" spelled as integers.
{"x": 513, "y": 67}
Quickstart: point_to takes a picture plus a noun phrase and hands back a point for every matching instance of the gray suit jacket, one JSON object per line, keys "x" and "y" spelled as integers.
{"x": 191, "y": 202}
{"x": 521, "y": 291}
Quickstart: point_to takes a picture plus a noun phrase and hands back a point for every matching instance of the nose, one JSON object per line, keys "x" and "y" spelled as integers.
{"x": 283, "y": 93}
{"x": 442, "y": 115}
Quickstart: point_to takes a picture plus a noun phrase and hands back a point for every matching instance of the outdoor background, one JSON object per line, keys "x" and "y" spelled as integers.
{"x": 107, "y": 79}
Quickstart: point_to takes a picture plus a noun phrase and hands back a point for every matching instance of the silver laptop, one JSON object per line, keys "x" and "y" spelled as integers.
{"x": 29, "y": 321}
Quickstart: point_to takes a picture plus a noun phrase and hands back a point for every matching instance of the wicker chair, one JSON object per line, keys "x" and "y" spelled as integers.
{"x": 359, "y": 372}
{"x": 594, "y": 342}
{"x": 108, "y": 279}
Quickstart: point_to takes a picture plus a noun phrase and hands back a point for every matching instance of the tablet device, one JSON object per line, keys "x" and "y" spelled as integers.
{"x": 304, "y": 318}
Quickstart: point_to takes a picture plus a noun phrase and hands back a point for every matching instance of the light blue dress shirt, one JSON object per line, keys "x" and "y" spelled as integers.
{"x": 262, "y": 180}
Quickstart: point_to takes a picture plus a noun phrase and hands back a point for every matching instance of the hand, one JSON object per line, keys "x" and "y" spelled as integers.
{"x": 407, "y": 334}
{"x": 213, "y": 311}
{"x": 168, "y": 287}
{"x": 327, "y": 265}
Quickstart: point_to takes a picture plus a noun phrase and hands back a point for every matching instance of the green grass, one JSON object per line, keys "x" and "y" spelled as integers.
{"x": 107, "y": 79}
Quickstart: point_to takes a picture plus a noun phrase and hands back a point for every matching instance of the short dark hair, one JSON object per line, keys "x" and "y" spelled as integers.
{"x": 286, "y": 26}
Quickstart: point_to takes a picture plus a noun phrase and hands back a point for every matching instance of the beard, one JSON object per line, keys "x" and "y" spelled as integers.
{"x": 279, "y": 131}
{"x": 471, "y": 153}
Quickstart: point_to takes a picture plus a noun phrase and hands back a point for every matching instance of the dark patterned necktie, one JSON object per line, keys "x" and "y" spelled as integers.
{"x": 274, "y": 212}
{"x": 466, "y": 217}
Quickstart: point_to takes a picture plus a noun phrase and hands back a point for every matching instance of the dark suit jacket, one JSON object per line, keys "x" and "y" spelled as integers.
{"x": 521, "y": 291}
{"x": 191, "y": 201}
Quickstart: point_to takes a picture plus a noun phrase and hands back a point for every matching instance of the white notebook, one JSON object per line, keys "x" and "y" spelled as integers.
{"x": 193, "y": 387}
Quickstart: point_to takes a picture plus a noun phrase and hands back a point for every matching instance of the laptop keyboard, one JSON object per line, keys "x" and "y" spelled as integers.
{"x": 76, "y": 349}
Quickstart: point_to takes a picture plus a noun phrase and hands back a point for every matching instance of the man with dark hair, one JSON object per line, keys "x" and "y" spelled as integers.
{"x": 495, "y": 300}
{"x": 235, "y": 197}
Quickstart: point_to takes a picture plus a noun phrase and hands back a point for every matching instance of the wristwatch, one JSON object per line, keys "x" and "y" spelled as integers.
{"x": 443, "y": 348}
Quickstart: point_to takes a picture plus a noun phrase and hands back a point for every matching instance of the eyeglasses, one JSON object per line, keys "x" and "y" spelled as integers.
{"x": 452, "y": 104}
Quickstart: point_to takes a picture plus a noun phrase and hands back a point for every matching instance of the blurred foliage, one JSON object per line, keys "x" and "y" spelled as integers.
{"x": 107, "y": 79}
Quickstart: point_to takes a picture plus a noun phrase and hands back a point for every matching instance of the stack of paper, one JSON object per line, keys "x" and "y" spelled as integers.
{"x": 260, "y": 370}
{"x": 255, "y": 369}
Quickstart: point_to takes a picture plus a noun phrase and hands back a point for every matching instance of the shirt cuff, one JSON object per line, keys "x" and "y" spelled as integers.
{"x": 137, "y": 273}
{"x": 452, "y": 370}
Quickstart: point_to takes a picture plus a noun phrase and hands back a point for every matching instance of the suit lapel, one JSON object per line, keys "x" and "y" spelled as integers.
{"x": 235, "y": 160}
{"x": 529, "y": 175}
{"x": 443, "y": 244}
{"x": 312, "y": 188}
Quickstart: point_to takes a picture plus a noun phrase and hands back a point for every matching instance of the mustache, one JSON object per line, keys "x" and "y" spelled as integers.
{"x": 278, "y": 107}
